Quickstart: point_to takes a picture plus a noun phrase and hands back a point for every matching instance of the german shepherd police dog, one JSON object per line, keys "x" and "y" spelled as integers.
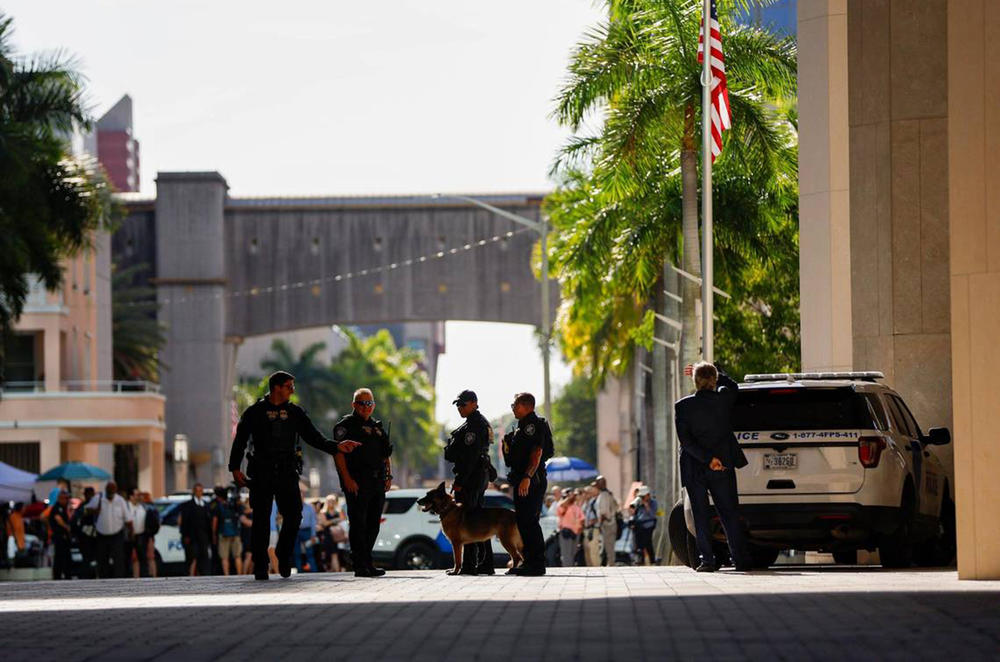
{"x": 463, "y": 527}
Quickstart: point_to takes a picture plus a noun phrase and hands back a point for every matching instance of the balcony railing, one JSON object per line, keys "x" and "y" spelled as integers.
{"x": 83, "y": 386}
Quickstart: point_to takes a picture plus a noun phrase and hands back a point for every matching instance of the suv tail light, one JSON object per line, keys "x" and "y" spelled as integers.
{"x": 870, "y": 450}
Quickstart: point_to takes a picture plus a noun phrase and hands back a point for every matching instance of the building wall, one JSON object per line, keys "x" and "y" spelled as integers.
{"x": 824, "y": 200}
{"x": 973, "y": 125}
{"x": 897, "y": 62}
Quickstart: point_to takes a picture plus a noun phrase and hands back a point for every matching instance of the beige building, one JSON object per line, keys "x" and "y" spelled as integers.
{"x": 900, "y": 233}
{"x": 59, "y": 402}
{"x": 899, "y": 107}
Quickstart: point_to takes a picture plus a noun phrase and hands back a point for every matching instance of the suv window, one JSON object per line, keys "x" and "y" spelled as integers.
{"x": 398, "y": 505}
{"x": 877, "y": 410}
{"x": 801, "y": 409}
{"x": 905, "y": 421}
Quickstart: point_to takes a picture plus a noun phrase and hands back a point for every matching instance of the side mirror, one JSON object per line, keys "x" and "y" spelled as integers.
{"x": 938, "y": 437}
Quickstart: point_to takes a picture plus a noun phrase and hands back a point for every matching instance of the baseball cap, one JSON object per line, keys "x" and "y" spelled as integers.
{"x": 465, "y": 396}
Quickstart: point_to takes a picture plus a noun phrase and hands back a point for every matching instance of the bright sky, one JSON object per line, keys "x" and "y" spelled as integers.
{"x": 337, "y": 97}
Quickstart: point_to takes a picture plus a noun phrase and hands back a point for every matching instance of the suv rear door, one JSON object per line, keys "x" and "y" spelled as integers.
{"x": 801, "y": 439}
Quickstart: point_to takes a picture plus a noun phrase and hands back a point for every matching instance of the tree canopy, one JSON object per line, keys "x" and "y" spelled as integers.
{"x": 50, "y": 202}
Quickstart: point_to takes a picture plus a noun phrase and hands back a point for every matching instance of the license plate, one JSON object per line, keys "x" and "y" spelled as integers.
{"x": 781, "y": 461}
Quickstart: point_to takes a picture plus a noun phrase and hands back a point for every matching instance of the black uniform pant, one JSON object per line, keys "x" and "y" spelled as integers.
{"x": 283, "y": 488}
{"x": 364, "y": 515}
{"x": 111, "y": 551}
{"x": 527, "y": 510}
{"x": 478, "y": 555}
{"x": 722, "y": 485}
{"x": 61, "y": 560}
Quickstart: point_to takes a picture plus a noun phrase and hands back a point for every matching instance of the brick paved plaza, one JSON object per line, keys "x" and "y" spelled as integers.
{"x": 656, "y": 613}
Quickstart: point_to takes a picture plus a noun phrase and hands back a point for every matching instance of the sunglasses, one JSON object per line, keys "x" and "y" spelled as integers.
{"x": 364, "y": 403}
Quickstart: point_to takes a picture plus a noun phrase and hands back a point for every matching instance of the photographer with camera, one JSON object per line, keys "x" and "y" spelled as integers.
{"x": 643, "y": 510}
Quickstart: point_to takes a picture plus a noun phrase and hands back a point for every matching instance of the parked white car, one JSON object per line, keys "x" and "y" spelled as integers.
{"x": 410, "y": 539}
{"x": 837, "y": 463}
{"x": 168, "y": 543}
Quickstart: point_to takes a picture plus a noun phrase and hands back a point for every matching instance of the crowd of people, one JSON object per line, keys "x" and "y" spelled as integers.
{"x": 113, "y": 533}
{"x": 590, "y": 521}
{"x": 217, "y": 534}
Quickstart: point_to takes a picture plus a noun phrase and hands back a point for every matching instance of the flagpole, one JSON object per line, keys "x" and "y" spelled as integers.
{"x": 707, "y": 317}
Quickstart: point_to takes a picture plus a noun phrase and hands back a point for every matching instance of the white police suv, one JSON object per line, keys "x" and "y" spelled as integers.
{"x": 410, "y": 539}
{"x": 837, "y": 463}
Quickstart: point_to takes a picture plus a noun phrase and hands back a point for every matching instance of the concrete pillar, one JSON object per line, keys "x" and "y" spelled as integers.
{"x": 190, "y": 280}
{"x": 824, "y": 205}
{"x": 151, "y": 458}
{"x": 52, "y": 350}
{"x": 614, "y": 434}
{"x": 973, "y": 47}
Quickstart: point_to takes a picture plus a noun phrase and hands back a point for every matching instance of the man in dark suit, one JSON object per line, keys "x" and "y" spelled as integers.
{"x": 709, "y": 458}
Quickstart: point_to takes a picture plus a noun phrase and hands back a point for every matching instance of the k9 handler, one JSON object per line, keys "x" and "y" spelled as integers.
{"x": 274, "y": 424}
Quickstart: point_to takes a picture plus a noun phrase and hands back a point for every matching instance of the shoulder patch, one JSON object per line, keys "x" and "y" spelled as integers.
{"x": 470, "y": 438}
{"x": 529, "y": 429}
{"x": 339, "y": 433}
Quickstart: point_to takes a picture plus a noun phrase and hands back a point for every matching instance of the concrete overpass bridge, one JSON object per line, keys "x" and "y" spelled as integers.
{"x": 226, "y": 268}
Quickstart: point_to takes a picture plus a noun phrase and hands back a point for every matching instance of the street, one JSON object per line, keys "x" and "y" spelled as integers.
{"x": 623, "y": 613}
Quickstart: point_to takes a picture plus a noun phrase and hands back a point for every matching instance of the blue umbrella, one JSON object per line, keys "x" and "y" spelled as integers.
{"x": 565, "y": 469}
{"x": 75, "y": 471}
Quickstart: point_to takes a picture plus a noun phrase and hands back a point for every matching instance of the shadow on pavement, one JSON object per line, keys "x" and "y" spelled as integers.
{"x": 794, "y": 626}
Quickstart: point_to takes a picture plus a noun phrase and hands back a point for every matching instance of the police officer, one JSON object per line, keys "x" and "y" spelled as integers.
{"x": 523, "y": 452}
{"x": 366, "y": 475}
{"x": 469, "y": 449}
{"x": 275, "y": 424}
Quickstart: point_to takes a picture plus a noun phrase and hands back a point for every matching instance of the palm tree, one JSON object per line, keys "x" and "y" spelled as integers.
{"x": 50, "y": 203}
{"x": 640, "y": 69}
{"x": 137, "y": 336}
{"x": 313, "y": 380}
{"x": 402, "y": 390}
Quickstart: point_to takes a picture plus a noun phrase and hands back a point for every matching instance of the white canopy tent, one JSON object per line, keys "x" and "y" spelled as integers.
{"x": 15, "y": 484}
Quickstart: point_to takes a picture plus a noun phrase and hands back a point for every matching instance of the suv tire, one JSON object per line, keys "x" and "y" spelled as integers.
{"x": 678, "y": 534}
{"x": 417, "y": 555}
{"x": 762, "y": 558}
{"x": 895, "y": 550}
{"x": 939, "y": 550}
{"x": 845, "y": 556}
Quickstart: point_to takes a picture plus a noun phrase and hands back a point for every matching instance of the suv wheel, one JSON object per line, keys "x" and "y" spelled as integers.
{"x": 845, "y": 556}
{"x": 763, "y": 558}
{"x": 895, "y": 550}
{"x": 417, "y": 555}
{"x": 679, "y": 536}
{"x": 939, "y": 550}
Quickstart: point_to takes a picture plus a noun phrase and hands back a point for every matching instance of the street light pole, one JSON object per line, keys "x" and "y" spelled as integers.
{"x": 542, "y": 228}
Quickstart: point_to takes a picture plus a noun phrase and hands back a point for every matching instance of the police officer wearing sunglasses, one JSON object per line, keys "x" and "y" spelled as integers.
{"x": 274, "y": 425}
{"x": 366, "y": 475}
{"x": 469, "y": 449}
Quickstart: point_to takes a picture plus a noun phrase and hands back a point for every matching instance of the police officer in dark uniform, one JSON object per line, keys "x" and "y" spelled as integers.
{"x": 522, "y": 452}
{"x": 366, "y": 475}
{"x": 274, "y": 424}
{"x": 469, "y": 449}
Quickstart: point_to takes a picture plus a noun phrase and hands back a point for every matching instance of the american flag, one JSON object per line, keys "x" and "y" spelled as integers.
{"x": 720, "y": 94}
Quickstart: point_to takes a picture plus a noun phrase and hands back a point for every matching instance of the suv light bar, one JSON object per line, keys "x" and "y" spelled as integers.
{"x": 869, "y": 376}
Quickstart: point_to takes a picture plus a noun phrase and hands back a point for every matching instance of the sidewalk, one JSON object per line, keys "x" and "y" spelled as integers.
{"x": 796, "y": 613}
